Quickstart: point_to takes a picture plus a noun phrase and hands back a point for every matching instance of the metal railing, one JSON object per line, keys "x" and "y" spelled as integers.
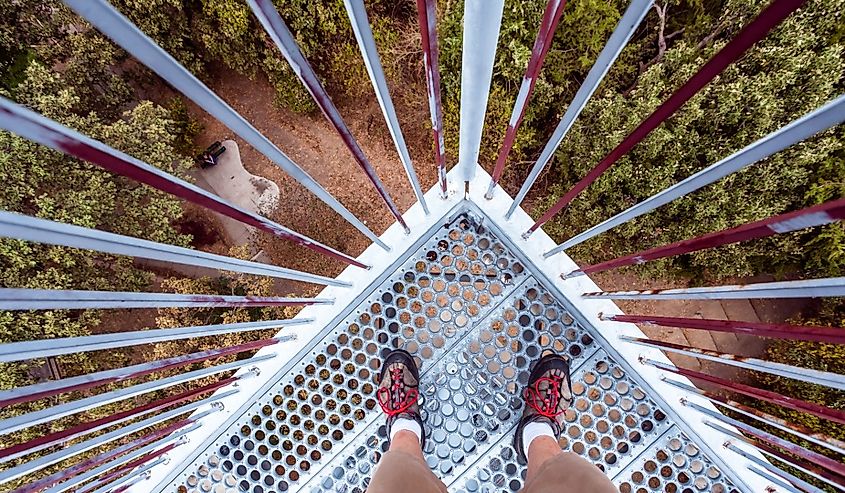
{"x": 130, "y": 463}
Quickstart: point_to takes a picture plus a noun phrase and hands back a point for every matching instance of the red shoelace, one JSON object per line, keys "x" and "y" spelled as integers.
{"x": 545, "y": 406}
{"x": 397, "y": 398}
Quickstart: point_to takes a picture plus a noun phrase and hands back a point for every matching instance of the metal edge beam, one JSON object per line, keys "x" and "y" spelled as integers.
{"x": 22, "y": 227}
{"x": 482, "y": 20}
{"x": 811, "y": 288}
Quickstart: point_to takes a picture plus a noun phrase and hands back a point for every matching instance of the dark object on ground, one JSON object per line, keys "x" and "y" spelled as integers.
{"x": 209, "y": 157}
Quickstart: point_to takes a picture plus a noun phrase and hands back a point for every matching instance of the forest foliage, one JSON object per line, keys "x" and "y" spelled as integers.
{"x": 53, "y": 62}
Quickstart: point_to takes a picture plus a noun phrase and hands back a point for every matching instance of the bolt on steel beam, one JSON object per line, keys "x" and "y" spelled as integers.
{"x": 770, "y": 17}
{"x": 427, "y": 18}
{"x": 772, "y": 440}
{"x": 366, "y": 43}
{"x": 818, "y": 215}
{"x": 168, "y": 444}
{"x": 117, "y": 27}
{"x": 820, "y": 411}
{"x": 21, "y": 227}
{"x": 545, "y": 35}
{"x": 77, "y": 448}
{"x": 830, "y": 335}
{"x": 275, "y": 27}
{"x": 629, "y": 22}
{"x": 50, "y": 388}
{"x": 20, "y": 351}
{"x": 812, "y": 288}
{"x": 796, "y": 460}
{"x": 17, "y": 299}
{"x": 799, "y": 431}
{"x": 482, "y": 20}
{"x": 35, "y": 127}
{"x": 74, "y": 407}
{"x": 88, "y": 427}
{"x": 827, "y": 379}
{"x": 818, "y": 120}
{"x": 800, "y": 483}
{"x": 149, "y": 441}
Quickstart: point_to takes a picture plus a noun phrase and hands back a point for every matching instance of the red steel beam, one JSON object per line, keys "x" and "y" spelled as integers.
{"x": 143, "y": 369}
{"x": 83, "y": 428}
{"x": 770, "y": 17}
{"x": 810, "y": 466}
{"x": 551, "y": 17}
{"x": 818, "y": 215}
{"x": 88, "y": 464}
{"x": 766, "y": 438}
{"x": 269, "y": 17}
{"x": 834, "y": 415}
{"x": 108, "y": 478}
{"x": 427, "y": 16}
{"x": 831, "y": 335}
{"x": 73, "y": 144}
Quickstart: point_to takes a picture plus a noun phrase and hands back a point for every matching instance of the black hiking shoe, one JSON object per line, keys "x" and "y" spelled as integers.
{"x": 547, "y": 396}
{"x": 398, "y": 390}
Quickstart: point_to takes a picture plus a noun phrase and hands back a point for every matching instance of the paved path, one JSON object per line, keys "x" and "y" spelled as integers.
{"x": 231, "y": 181}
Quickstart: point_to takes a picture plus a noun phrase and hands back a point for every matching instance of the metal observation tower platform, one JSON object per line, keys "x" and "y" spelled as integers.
{"x": 464, "y": 280}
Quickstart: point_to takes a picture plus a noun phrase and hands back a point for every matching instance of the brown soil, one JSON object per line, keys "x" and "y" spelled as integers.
{"x": 313, "y": 144}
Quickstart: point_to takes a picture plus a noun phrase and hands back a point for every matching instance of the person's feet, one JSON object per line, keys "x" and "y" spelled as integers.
{"x": 398, "y": 393}
{"x": 547, "y": 396}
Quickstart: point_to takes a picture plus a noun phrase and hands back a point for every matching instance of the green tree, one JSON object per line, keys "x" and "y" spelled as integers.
{"x": 797, "y": 68}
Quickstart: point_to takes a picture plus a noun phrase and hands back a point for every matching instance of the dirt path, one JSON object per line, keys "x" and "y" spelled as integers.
{"x": 310, "y": 142}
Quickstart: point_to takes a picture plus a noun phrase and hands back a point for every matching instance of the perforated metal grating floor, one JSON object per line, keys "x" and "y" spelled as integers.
{"x": 474, "y": 318}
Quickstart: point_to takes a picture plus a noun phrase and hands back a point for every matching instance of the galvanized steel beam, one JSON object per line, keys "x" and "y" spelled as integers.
{"x": 126, "y": 482}
{"x": 818, "y": 410}
{"x": 774, "y": 440}
{"x": 29, "y": 228}
{"x": 427, "y": 17}
{"x": 168, "y": 445}
{"x": 770, "y": 17}
{"x": 800, "y": 483}
{"x": 364, "y": 35}
{"x": 77, "y": 448}
{"x": 20, "y": 351}
{"x": 797, "y": 460}
{"x": 818, "y": 120}
{"x": 812, "y": 288}
{"x": 545, "y": 35}
{"x": 622, "y": 33}
{"x": 275, "y": 27}
{"x": 818, "y": 215}
{"x": 777, "y": 480}
{"x": 108, "y": 458}
{"x": 53, "y": 413}
{"x": 34, "y": 127}
{"x": 61, "y": 299}
{"x": 797, "y": 430}
{"x": 827, "y": 379}
{"x": 117, "y": 27}
{"x": 88, "y": 427}
{"x": 830, "y": 335}
{"x": 50, "y": 388}
{"x": 482, "y": 20}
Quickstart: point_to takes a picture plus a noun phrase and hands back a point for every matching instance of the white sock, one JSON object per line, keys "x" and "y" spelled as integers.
{"x": 532, "y": 431}
{"x": 404, "y": 424}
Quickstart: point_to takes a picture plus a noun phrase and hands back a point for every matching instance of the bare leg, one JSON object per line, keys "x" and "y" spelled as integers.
{"x": 405, "y": 441}
{"x": 541, "y": 450}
